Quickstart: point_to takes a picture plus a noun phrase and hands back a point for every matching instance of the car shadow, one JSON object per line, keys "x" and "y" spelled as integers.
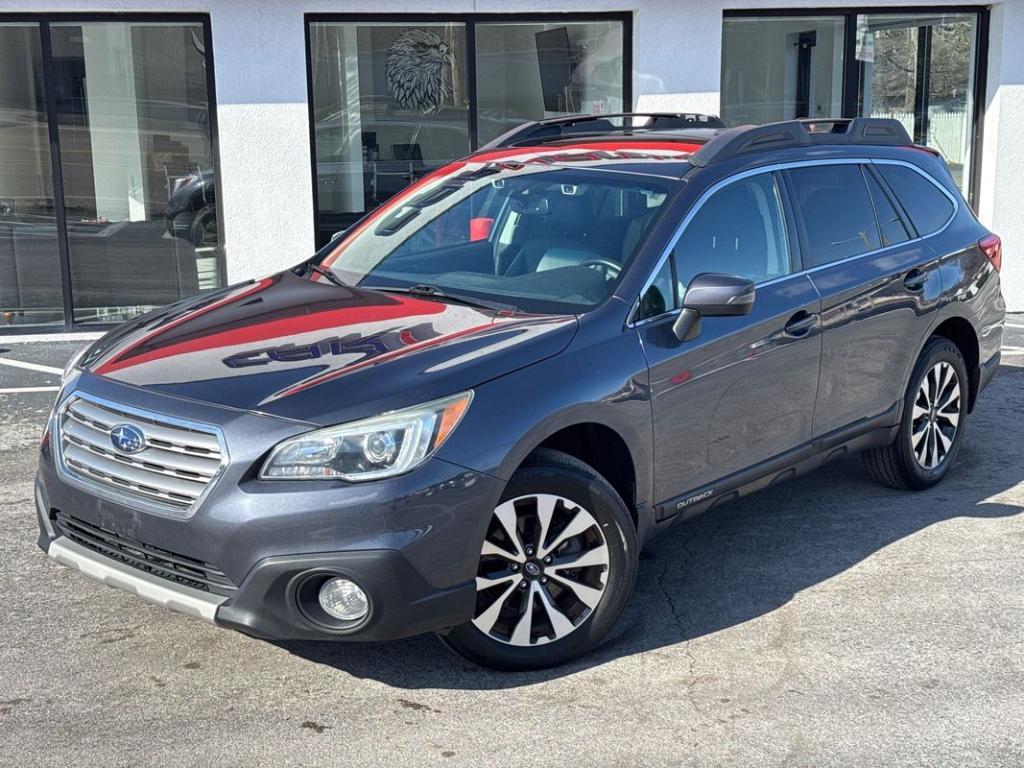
{"x": 739, "y": 561}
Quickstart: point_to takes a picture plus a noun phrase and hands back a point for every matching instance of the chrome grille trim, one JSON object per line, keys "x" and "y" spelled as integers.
{"x": 171, "y": 475}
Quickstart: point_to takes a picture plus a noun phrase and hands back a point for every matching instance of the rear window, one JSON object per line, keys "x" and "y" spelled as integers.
{"x": 836, "y": 212}
{"x": 926, "y": 206}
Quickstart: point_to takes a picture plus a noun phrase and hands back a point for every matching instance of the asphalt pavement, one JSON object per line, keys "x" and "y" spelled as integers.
{"x": 823, "y": 622}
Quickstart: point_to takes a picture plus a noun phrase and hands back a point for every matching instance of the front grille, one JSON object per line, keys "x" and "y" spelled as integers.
{"x": 171, "y": 472}
{"x": 159, "y": 562}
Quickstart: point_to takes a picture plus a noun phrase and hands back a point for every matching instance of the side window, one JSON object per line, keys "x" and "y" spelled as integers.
{"x": 660, "y": 296}
{"x": 926, "y": 206}
{"x": 739, "y": 230}
{"x": 835, "y": 212}
{"x": 890, "y": 225}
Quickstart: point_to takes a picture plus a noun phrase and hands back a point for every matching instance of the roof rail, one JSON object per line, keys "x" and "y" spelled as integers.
{"x": 617, "y": 123}
{"x": 802, "y": 133}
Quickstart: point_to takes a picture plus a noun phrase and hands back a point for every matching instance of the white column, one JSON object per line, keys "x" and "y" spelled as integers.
{"x": 263, "y": 135}
{"x": 677, "y": 56}
{"x": 1002, "y": 163}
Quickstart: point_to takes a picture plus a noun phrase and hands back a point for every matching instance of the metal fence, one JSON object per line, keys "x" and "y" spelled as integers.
{"x": 947, "y": 131}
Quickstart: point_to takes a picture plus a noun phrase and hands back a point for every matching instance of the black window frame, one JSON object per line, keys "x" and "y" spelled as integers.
{"x": 469, "y": 20}
{"x": 44, "y": 20}
{"x": 851, "y": 70}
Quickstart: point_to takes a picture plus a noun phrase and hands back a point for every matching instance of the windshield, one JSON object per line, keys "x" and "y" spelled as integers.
{"x": 538, "y": 237}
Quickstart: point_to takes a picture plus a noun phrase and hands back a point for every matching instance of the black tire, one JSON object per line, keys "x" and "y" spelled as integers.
{"x": 552, "y": 472}
{"x": 896, "y": 465}
{"x": 204, "y": 227}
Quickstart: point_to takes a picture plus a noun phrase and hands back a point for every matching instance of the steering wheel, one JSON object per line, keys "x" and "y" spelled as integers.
{"x": 607, "y": 266}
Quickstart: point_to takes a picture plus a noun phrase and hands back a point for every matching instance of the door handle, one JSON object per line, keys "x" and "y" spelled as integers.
{"x": 800, "y": 324}
{"x": 915, "y": 280}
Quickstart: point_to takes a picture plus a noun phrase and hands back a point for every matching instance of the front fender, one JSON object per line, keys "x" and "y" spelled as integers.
{"x": 595, "y": 380}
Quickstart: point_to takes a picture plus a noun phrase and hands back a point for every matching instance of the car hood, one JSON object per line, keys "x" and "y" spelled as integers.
{"x": 307, "y": 349}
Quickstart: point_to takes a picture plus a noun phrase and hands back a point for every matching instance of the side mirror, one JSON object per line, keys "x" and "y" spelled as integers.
{"x": 713, "y": 295}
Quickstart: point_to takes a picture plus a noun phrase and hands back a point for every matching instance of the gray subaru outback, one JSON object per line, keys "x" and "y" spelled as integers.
{"x": 468, "y": 413}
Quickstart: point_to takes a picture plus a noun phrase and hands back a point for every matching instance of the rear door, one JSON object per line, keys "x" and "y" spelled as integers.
{"x": 743, "y": 391}
{"x": 878, "y": 284}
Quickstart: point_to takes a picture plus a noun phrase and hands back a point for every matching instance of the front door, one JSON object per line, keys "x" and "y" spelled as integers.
{"x": 743, "y": 391}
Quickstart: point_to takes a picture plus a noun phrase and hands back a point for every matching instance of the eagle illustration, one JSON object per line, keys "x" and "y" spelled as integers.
{"x": 417, "y": 71}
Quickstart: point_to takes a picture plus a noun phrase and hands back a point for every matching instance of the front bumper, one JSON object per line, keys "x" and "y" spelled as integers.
{"x": 152, "y": 589}
{"x": 412, "y": 542}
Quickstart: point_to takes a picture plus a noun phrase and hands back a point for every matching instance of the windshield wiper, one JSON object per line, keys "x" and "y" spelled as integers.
{"x": 328, "y": 274}
{"x": 433, "y": 292}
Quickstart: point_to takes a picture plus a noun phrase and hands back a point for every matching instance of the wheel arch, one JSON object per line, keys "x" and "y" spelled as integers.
{"x": 613, "y": 450}
{"x": 602, "y": 448}
{"x": 960, "y": 331}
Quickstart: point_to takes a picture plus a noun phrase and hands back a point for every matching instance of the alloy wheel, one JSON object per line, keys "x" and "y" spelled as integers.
{"x": 936, "y": 415}
{"x": 543, "y": 570}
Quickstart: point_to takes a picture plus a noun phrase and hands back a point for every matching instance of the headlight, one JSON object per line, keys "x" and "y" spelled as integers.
{"x": 383, "y": 446}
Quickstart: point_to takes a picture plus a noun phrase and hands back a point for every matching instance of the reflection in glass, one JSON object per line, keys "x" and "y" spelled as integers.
{"x": 781, "y": 68}
{"x": 390, "y": 105}
{"x": 533, "y": 71}
{"x": 30, "y": 281}
{"x": 137, "y": 162}
{"x": 920, "y": 70}
{"x": 523, "y": 235}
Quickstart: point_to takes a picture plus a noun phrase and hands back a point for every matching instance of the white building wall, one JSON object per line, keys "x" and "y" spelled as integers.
{"x": 1002, "y": 170}
{"x": 260, "y": 65}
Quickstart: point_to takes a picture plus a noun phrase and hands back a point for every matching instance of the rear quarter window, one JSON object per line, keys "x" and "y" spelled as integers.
{"x": 928, "y": 208}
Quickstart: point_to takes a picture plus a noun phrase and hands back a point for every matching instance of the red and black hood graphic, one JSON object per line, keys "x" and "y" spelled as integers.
{"x": 314, "y": 351}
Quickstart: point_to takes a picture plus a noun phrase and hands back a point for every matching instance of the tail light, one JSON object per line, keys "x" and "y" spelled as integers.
{"x": 992, "y": 247}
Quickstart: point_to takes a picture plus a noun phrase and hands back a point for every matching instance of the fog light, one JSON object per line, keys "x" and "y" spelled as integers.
{"x": 343, "y": 599}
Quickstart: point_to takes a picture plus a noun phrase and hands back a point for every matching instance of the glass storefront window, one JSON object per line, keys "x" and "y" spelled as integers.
{"x": 138, "y": 165}
{"x": 392, "y": 101}
{"x": 30, "y": 274}
{"x": 126, "y": 220}
{"x": 781, "y": 68}
{"x": 390, "y": 104}
{"x": 530, "y": 71}
{"x": 919, "y": 69}
{"x": 916, "y": 68}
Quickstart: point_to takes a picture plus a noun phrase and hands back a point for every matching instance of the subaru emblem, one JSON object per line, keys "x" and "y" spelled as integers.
{"x": 127, "y": 438}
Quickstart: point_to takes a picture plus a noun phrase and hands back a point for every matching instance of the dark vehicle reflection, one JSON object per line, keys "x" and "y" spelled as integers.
{"x": 192, "y": 209}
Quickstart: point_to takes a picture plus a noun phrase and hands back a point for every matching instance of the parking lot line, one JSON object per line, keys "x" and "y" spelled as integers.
{"x": 19, "y": 390}
{"x": 47, "y": 338}
{"x": 30, "y": 366}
